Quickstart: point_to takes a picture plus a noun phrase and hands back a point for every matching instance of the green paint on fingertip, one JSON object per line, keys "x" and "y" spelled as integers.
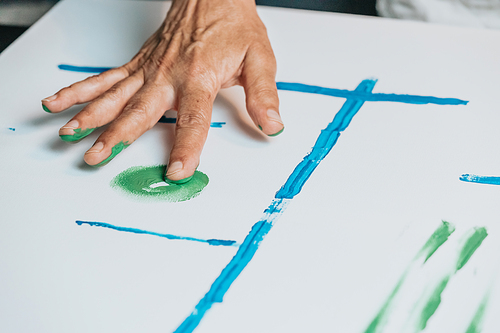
{"x": 477, "y": 321}
{"x": 436, "y": 240}
{"x": 471, "y": 245}
{"x": 78, "y": 135}
{"x": 147, "y": 183}
{"x": 277, "y": 133}
{"x": 432, "y": 303}
{"x": 46, "y": 109}
{"x": 114, "y": 151}
{"x": 180, "y": 181}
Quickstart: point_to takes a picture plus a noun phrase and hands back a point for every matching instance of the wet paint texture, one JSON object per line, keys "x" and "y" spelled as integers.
{"x": 489, "y": 180}
{"x": 46, "y": 109}
{"x": 114, "y": 151}
{"x": 437, "y": 239}
{"x": 470, "y": 246}
{"x": 148, "y": 183}
{"x": 213, "y": 242}
{"x": 78, "y": 135}
{"x": 432, "y": 303}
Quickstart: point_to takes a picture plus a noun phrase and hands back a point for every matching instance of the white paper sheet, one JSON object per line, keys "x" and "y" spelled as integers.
{"x": 338, "y": 251}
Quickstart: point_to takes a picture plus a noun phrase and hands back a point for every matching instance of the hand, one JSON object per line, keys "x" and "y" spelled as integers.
{"x": 202, "y": 46}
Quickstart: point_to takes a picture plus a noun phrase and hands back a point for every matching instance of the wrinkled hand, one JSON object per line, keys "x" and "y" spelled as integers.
{"x": 202, "y": 46}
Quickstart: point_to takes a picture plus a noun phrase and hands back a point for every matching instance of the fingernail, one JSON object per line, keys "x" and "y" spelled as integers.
{"x": 174, "y": 168}
{"x": 73, "y": 124}
{"x": 274, "y": 116}
{"x": 277, "y": 133}
{"x": 97, "y": 148}
{"x": 49, "y": 99}
{"x": 46, "y": 109}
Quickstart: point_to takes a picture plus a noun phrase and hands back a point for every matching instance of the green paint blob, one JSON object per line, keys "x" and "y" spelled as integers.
{"x": 78, "y": 135}
{"x": 148, "y": 183}
{"x": 114, "y": 151}
{"x": 436, "y": 240}
{"x": 471, "y": 245}
{"x": 476, "y": 323}
{"x": 46, "y": 109}
{"x": 433, "y": 303}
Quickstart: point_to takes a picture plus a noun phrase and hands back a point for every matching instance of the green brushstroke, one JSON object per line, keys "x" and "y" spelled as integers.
{"x": 436, "y": 240}
{"x": 46, "y": 109}
{"x": 114, "y": 151}
{"x": 432, "y": 303}
{"x": 142, "y": 182}
{"x": 471, "y": 245}
{"x": 433, "y": 243}
{"x": 381, "y": 318}
{"x": 78, "y": 135}
{"x": 477, "y": 322}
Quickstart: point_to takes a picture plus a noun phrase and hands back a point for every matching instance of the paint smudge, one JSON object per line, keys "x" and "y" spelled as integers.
{"x": 12, "y": 129}
{"x": 78, "y": 135}
{"x": 490, "y": 180}
{"x": 148, "y": 183}
{"x": 118, "y": 148}
{"x": 471, "y": 245}
{"x": 432, "y": 302}
{"x": 169, "y": 120}
{"x": 477, "y": 321}
{"x": 213, "y": 242}
{"x": 437, "y": 239}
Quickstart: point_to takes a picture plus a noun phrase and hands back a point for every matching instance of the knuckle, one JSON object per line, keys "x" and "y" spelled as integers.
{"x": 115, "y": 93}
{"x": 196, "y": 121}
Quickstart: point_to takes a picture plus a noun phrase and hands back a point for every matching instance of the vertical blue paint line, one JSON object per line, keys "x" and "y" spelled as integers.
{"x": 325, "y": 142}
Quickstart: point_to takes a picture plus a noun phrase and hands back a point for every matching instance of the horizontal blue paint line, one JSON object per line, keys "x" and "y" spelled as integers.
{"x": 368, "y": 96}
{"x": 213, "y": 242}
{"x": 490, "y": 180}
{"x": 343, "y": 93}
{"x": 83, "y": 69}
{"x": 12, "y": 129}
{"x": 169, "y": 120}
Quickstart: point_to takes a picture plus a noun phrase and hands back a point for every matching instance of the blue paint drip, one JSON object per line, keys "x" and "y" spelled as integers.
{"x": 325, "y": 142}
{"x": 368, "y": 96}
{"x": 83, "y": 69}
{"x": 165, "y": 120}
{"x": 12, "y": 129}
{"x": 292, "y": 187}
{"x": 490, "y": 180}
{"x": 213, "y": 242}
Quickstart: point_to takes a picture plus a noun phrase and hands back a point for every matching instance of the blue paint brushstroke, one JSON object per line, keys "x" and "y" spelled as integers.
{"x": 305, "y": 88}
{"x": 325, "y": 142}
{"x": 12, "y": 129}
{"x": 169, "y": 120}
{"x": 368, "y": 96}
{"x": 213, "y": 242}
{"x": 83, "y": 69}
{"x": 490, "y": 180}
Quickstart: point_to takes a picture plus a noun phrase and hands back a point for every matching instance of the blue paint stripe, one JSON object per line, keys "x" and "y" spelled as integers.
{"x": 292, "y": 187}
{"x": 83, "y": 69}
{"x": 490, "y": 180}
{"x": 343, "y": 93}
{"x": 169, "y": 120}
{"x": 213, "y": 242}
{"x": 325, "y": 142}
{"x": 368, "y": 96}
